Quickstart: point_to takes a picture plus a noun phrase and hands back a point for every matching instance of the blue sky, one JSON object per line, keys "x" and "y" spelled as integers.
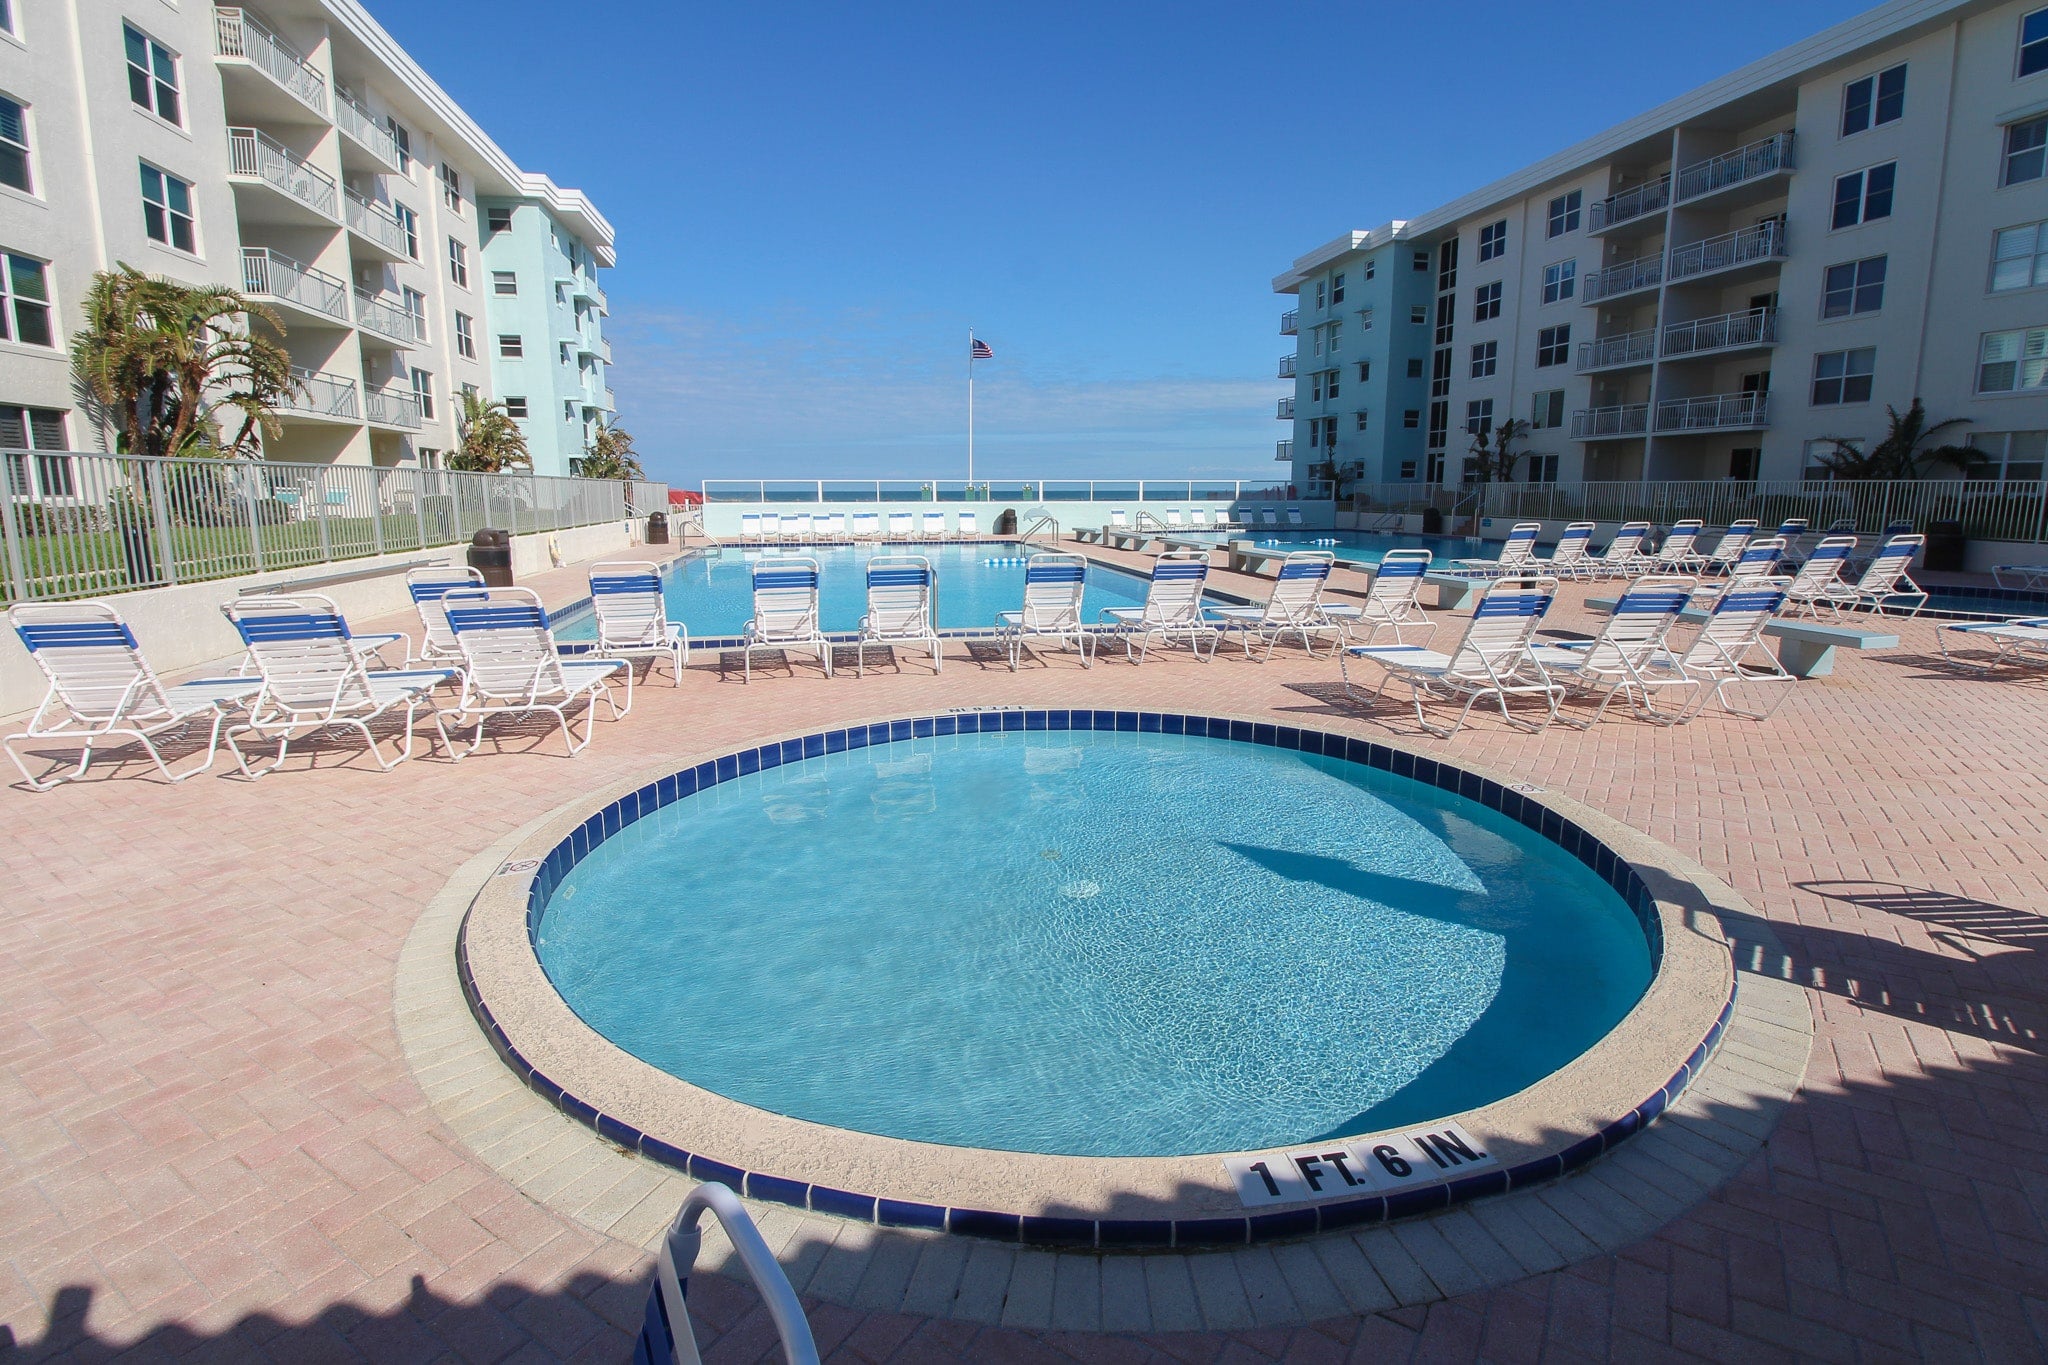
{"x": 814, "y": 202}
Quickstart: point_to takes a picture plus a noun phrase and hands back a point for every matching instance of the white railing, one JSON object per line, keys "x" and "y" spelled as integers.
{"x": 274, "y": 275}
{"x": 257, "y": 155}
{"x": 1630, "y": 204}
{"x": 1725, "y": 332}
{"x": 1714, "y": 412}
{"x": 1286, "y": 409}
{"x": 1623, "y": 419}
{"x": 1284, "y": 450}
{"x": 1623, "y": 277}
{"x": 393, "y": 407}
{"x": 611, "y": 402}
{"x": 1628, "y": 348}
{"x": 239, "y": 33}
{"x": 1287, "y": 366}
{"x": 387, "y": 319}
{"x": 1021, "y": 491}
{"x": 354, "y": 118}
{"x": 374, "y": 221}
{"x": 604, "y": 348}
{"x": 1762, "y": 242}
{"x": 323, "y": 395}
{"x": 1290, "y": 322}
{"x": 1762, "y": 157}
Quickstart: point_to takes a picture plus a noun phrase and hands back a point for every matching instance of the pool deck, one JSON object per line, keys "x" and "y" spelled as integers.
{"x": 228, "y": 1059}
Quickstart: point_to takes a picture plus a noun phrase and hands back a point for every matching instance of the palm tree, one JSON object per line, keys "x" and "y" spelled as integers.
{"x": 157, "y": 356}
{"x": 610, "y": 454}
{"x": 491, "y": 441}
{"x": 1899, "y": 455}
{"x": 1495, "y": 461}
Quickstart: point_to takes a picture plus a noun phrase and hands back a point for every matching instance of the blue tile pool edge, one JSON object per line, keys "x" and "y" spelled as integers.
{"x": 1105, "y": 1233}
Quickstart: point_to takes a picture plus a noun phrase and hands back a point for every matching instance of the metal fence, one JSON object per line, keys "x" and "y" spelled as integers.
{"x": 994, "y": 490}
{"x": 78, "y": 524}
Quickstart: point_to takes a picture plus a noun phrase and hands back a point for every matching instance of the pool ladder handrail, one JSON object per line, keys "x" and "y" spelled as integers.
{"x": 672, "y": 1275}
{"x": 1036, "y": 526}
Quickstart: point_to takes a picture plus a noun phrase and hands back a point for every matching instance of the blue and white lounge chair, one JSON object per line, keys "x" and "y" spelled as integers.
{"x": 1269, "y": 516}
{"x": 1676, "y": 552}
{"x": 750, "y": 526}
{"x": 1817, "y": 583}
{"x": 901, "y": 608}
{"x": 314, "y": 680}
{"x": 785, "y": 611}
{"x": 1176, "y": 519}
{"x": 1759, "y": 558}
{"x": 867, "y": 526}
{"x": 1516, "y": 552}
{"x": 1295, "y": 606}
{"x": 632, "y": 616}
{"x": 1198, "y": 518}
{"x": 968, "y": 527}
{"x": 1393, "y": 601}
{"x": 1172, "y": 610}
{"x": 1053, "y": 588}
{"x": 1885, "y": 579}
{"x": 103, "y": 691}
{"x": 1729, "y": 549}
{"x": 427, "y": 588}
{"x": 1619, "y": 559}
{"x": 832, "y": 526}
{"x": 900, "y": 526}
{"x": 795, "y": 526}
{"x": 1618, "y": 661}
{"x": 1119, "y": 519}
{"x": 2021, "y": 642}
{"x": 512, "y": 667}
{"x": 1570, "y": 558}
{"x": 1729, "y": 650}
{"x": 2022, "y": 576}
{"x": 1294, "y": 517}
{"x": 1494, "y": 659}
{"x": 934, "y": 527}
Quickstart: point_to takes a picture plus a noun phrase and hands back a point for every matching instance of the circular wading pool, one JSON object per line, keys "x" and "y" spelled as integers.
{"x": 1173, "y": 978}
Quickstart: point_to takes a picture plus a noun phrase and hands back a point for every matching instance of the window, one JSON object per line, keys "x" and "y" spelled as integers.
{"x": 167, "y": 209}
{"x": 1564, "y": 213}
{"x": 1437, "y": 432}
{"x": 1415, "y": 369}
{"x": 1843, "y": 376}
{"x": 504, "y": 283}
{"x": 1560, "y": 281}
{"x": 152, "y": 75}
{"x": 515, "y": 407}
{"x": 1553, "y": 345}
{"x": 409, "y": 224}
{"x": 1418, "y": 314}
{"x": 1446, "y": 317}
{"x": 1542, "y": 468}
{"x": 14, "y": 146}
{"x": 499, "y": 220}
{"x": 451, "y": 187}
{"x": 511, "y": 347}
{"x": 1329, "y": 425}
{"x": 1336, "y": 336}
{"x": 404, "y": 140}
{"x": 1814, "y": 458}
{"x": 2019, "y": 256}
{"x": 1743, "y": 462}
{"x": 1546, "y": 409}
{"x": 1486, "y": 302}
{"x": 416, "y": 304}
{"x": 1440, "y": 373}
{"x": 1864, "y": 196}
{"x": 2009, "y": 456}
{"x": 423, "y": 389}
{"x": 1360, "y": 418}
{"x": 6, "y": 16}
{"x": 1365, "y": 319}
{"x": 1323, "y": 384}
{"x": 1322, "y": 293}
{"x": 1368, "y": 271}
{"x": 1853, "y": 287}
{"x": 1484, "y": 358}
{"x": 458, "y": 263}
{"x": 1421, "y": 261}
{"x": 2034, "y": 42}
{"x": 465, "y": 336}
{"x": 1411, "y": 418}
{"x": 1479, "y": 416}
{"x": 25, "y": 301}
{"x": 565, "y": 353}
{"x": 1337, "y": 287}
{"x": 1874, "y": 100}
{"x": 2013, "y": 362}
{"x": 1315, "y": 387}
{"x": 1364, "y": 370}
{"x": 2024, "y": 150}
{"x": 33, "y": 429}
{"x": 568, "y": 409}
{"x": 1493, "y": 240}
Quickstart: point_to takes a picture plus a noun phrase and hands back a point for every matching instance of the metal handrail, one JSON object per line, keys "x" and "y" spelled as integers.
{"x": 1038, "y": 524}
{"x": 253, "y": 152}
{"x": 672, "y": 1276}
{"x": 1622, "y": 419}
{"x": 329, "y": 395}
{"x": 237, "y": 32}
{"x": 1286, "y": 410}
{"x": 1761, "y": 242}
{"x": 276, "y": 275}
{"x": 1287, "y": 364}
{"x": 353, "y": 117}
{"x": 373, "y": 220}
{"x": 1290, "y": 322}
{"x": 1625, "y": 348}
{"x": 387, "y": 319}
{"x": 1724, "y": 331}
{"x": 1629, "y": 204}
{"x": 1759, "y": 158}
{"x": 393, "y": 407}
{"x": 1621, "y": 278}
{"x": 1714, "y": 412}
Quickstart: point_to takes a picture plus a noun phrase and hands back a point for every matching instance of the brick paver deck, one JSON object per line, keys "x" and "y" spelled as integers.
{"x": 211, "y": 1143}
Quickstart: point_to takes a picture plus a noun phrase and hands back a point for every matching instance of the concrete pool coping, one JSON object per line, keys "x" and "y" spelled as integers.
{"x": 1570, "y": 1117}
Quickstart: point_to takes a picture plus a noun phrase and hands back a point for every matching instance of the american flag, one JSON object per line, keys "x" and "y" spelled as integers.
{"x": 977, "y": 349}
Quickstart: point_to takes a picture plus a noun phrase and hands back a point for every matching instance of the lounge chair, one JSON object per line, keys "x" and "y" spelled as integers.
{"x": 1676, "y": 552}
{"x": 102, "y": 689}
{"x": 1294, "y": 606}
{"x": 900, "y": 608}
{"x": 1494, "y": 658}
{"x": 1727, "y": 550}
{"x": 968, "y": 524}
{"x": 1759, "y": 558}
{"x": 934, "y": 527}
{"x": 1617, "y": 661}
{"x": 512, "y": 667}
{"x": 1729, "y": 650}
{"x": 2023, "y": 576}
{"x": 795, "y": 526}
{"x": 867, "y": 526}
{"x": 1268, "y": 516}
{"x": 632, "y": 616}
{"x": 785, "y": 611}
{"x": 1883, "y": 578}
{"x": 1172, "y": 610}
{"x": 750, "y": 526}
{"x": 1619, "y": 558}
{"x": 1119, "y": 520}
{"x": 1516, "y": 552}
{"x": 1817, "y": 584}
{"x": 1198, "y": 518}
{"x": 1569, "y": 558}
{"x": 900, "y": 524}
{"x": 2021, "y": 642}
{"x": 1053, "y": 587}
{"x": 1393, "y": 601}
{"x": 313, "y": 679}
{"x": 1227, "y": 519}
{"x": 832, "y": 526}
{"x": 1176, "y": 520}
{"x": 427, "y": 588}
{"x": 1294, "y": 517}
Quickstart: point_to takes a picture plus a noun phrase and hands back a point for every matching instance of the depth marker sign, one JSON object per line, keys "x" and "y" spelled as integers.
{"x": 1379, "y": 1165}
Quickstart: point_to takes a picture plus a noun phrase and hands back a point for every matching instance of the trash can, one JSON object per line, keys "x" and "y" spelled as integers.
{"x": 1944, "y": 552}
{"x": 657, "y": 528}
{"x": 1006, "y": 522}
{"x": 1432, "y": 521}
{"x": 138, "y": 556}
{"x": 490, "y": 554}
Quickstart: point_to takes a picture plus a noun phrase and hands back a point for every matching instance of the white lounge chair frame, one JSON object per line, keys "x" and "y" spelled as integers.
{"x": 632, "y": 616}
{"x": 1393, "y": 601}
{"x": 1516, "y": 552}
{"x": 965, "y": 526}
{"x": 1817, "y": 584}
{"x": 902, "y": 526}
{"x": 1727, "y": 550}
{"x": 1677, "y": 550}
{"x": 902, "y": 608}
{"x": 1619, "y": 559}
{"x": 427, "y": 587}
{"x": 1618, "y": 661}
{"x": 1172, "y": 610}
{"x": 1494, "y": 659}
{"x": 1729, "y": 650}
{"x": 511, "y": 666}
{"x": 1885, "y": 577}
{"x": 785, "y": 611}
{"x": 867, "y": 526}
{"x": 2020, "y": 641}
{"x": 1570, "y": 557}
{"x": 1054, "y": 586}
{"x": 1295, "y": 606}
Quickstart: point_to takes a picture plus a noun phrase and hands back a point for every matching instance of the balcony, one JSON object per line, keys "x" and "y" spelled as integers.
{"x": 610, "y": 403}
{"x": 1625, "y": 277}
{"x": 388, "y": 319}
{"x": 1629, "y": 206}
{"x": 1615, "y": 352}
{"x": 394, "y": 408}
{"x": 604, "y": 305}
{"x": 1608, "y": 424}
{"x": 1747, "y": 330}
{"x": 240, "y": 36}
{"x": 323, "y": 397}
{"x": 1283, "y": 450}
{"x": 604, "y": 349}
{"x": 375, "y": 225}
{"x": 1290, "y": 322}
{"x": 356, "y": 121}
{"x": 1286, "y": 413}
{"x": 1287, "y": 366}
{"x": 1715, "y": 412}
{"x": 255, "y": 157}
{"x": 1744, "y": 166}
{"x": 1763, "y": 244}
{"x": 293, "y": 286}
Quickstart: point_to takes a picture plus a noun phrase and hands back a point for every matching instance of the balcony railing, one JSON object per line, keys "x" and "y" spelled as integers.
{"x": 1617, "y": 209}
{"x": 1626, "y": 419}
{"x": 1290, "y": 322}
{"x": 394, "y": 407}
{"x": 1727, "y": 332}
{"x": 1763, "y": 242}
{"x": 354, "y": 118}
{"x": 377, "y": 314}
{"x": 238, "y": 32}
{"x": 256, "y": 155}
{"x": 604, "y": 348}
{"x": 323, "y": 395}
{"x": 1625, "y": 277}
{"x": 1286, "y": 413}
{"x": 1760, "y": 158}
{"x": 1287, "y": 366}
{"x": 611, "y": 402}
{"x": 272, "y": 274}
{"x": 1283, "y": 450}
{"x": 1715, "y": 412}
{"x": 374, "y": 222}
{"x": 1629, "y": 348}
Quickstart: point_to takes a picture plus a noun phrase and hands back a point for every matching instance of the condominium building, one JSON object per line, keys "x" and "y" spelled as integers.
{"x": 296, "y": 154}
{"x": 1719, "y": 288}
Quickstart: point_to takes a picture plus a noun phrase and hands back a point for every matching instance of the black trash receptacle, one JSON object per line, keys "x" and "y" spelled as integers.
{"x": 1432, "y": 521}
{"x": 1006, "y": 522}
{"x": 657, "y": 528}
{"x": 490, "y": 554}
{"x": 1944, "y": 551}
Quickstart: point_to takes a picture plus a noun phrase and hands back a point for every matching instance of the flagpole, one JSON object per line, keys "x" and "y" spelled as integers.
{"x": 970, "y": 405}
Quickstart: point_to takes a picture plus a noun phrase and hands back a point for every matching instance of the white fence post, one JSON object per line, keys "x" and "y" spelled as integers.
{"x": 160, "y": 515}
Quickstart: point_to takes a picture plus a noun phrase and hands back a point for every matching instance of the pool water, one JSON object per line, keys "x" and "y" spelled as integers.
{"x": 712, "y": 593}
{"x": 1092, "y": 944}
{"x": 1364, "y": 547}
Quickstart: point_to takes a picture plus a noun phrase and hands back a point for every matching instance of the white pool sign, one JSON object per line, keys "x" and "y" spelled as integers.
{"x": 1361, "y": 1166}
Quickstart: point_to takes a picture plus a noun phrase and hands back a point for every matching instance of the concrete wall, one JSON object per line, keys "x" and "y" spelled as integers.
{"x": 722, "y": 519}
